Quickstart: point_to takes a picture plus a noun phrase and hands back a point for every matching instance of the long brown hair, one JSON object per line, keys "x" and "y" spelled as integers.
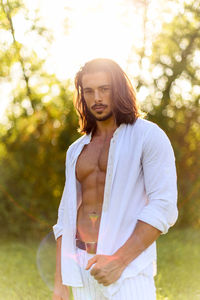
{"x": 125, "y": 107}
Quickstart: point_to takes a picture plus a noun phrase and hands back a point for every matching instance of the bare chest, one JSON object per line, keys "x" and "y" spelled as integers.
{"x": 93, "y": 158}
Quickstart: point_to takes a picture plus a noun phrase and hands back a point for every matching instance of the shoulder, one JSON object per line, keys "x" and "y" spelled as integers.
{"x": 148, "y": 134}
{"x": 144, "y": 128}
{"x": 144, "y": 125}
{"x": 154, "y": 138}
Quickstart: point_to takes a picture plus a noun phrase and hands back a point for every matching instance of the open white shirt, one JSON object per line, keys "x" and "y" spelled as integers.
{"x": 140, "y": 185}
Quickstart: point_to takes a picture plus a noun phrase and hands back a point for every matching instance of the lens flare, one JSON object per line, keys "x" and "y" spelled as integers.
{"x": 46, "y": 259}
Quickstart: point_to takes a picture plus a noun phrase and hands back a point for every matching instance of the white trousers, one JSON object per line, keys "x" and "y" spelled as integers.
{"x": 140, "y": 287}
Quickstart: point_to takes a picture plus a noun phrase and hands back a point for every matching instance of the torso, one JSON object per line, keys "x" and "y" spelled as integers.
{"x": 91, "y": 169}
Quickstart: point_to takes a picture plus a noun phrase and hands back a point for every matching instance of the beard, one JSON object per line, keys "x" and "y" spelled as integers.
{"x": 104, "y": 118}
{"x": 99, "y": 118}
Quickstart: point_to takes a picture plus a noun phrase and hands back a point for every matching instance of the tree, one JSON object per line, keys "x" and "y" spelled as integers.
{"x": 173, "y": 101}
{"x": 41, "y": 125}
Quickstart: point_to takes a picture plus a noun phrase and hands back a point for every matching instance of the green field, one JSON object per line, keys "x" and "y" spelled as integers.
{"x": 26, "y": 268}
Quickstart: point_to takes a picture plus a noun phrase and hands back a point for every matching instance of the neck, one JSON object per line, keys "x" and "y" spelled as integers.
{"x": 105, "y": 128}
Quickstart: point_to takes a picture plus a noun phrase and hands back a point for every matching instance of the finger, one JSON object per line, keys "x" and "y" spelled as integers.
{"x": 106, "y": 283}
{"x": 100, "y": 279}
{"x": 91, "y": 261}
{"x": 94, "y": 271}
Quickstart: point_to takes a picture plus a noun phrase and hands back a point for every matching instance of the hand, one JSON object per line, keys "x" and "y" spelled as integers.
{"x": 107, "y": 269}
{"x": 56, "y": 297}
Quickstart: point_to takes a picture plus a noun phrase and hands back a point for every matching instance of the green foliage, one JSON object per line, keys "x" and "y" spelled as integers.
{"x": 175, "y": 103}
{"x": 36, "y": 146}
{"x": 41, "y": 125}
{"x": 42, "y": 122}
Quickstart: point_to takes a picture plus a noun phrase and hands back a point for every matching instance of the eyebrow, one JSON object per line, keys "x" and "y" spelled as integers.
{"x": 101, "y": 86}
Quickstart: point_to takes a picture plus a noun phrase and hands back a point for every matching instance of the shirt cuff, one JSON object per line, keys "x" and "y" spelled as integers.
{"x": 161, "y": 218}
{"x": 57, "y": 230}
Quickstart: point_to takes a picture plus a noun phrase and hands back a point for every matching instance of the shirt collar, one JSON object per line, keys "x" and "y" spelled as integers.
{"x": 88, "y": 137}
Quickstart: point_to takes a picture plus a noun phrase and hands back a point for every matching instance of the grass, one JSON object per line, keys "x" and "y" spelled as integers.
{"x": 179, "y": 265}
{"x": 26, "y": 268}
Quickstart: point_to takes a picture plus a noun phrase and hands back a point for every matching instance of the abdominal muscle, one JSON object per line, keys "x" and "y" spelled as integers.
{"x": 91, "y": 169}
{"x": 89, "y": 212}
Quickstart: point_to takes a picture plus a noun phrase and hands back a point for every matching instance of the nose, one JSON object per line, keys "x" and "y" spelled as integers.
{"x": 97, "y": 96}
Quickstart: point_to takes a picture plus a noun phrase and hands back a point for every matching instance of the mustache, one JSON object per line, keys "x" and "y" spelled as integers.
{"x": 98, "y": 105}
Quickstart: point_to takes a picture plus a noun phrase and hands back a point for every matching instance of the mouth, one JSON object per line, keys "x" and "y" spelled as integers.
{"x": 98, "y": 107}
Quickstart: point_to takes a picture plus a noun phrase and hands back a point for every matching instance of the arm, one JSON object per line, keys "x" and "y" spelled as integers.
{"x": 160, "y": 213}
{"x": 58, "y": 280}
{"x": 61, "y": 292}
{"x": 142, "y": 237}
{"x": 108, "y": 268}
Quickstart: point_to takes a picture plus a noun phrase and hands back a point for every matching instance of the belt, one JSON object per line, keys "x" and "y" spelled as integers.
{"x": 90, "y": 247}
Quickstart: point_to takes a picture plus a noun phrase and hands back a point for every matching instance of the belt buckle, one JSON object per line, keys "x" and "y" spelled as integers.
{"x": 91, "y": 247}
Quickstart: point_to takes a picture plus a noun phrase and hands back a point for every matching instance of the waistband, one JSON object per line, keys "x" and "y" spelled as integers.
{"x": 90, "y": 247}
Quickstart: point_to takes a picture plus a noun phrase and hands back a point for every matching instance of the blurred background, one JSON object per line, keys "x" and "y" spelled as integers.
{"x": 43, "y": 43}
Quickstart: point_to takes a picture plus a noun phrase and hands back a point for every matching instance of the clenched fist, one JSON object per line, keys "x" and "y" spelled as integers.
{"x": 107, "y": 268}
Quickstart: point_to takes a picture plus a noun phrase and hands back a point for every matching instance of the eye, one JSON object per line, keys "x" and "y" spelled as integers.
{"x": 88, "y": 92}
{"x": 104, "y": 89}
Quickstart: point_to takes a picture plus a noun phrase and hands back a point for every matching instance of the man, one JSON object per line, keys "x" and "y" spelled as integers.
{"x": 120, "y": 193}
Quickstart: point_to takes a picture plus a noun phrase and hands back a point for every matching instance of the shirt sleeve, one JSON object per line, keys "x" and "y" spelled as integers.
{"x": 58, "y": 227}
{"x": 160, "y": 180}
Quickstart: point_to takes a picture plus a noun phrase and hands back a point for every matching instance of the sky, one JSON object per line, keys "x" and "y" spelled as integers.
{"x": 84, "y": 30}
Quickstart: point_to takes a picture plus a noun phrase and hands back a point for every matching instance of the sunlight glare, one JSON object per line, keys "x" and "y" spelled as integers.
{"x": 97, "y": 30}
{"x": 87, "y": 29}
